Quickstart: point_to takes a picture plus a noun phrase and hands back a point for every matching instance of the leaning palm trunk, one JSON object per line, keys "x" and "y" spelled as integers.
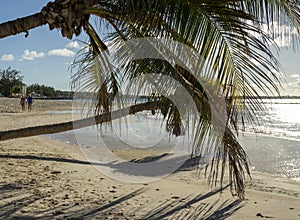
{"x": 71, "y": 125}
{"x": 234, "y": 154}
{"x": 21, "y": 25}
{"x": 66, "y": 15}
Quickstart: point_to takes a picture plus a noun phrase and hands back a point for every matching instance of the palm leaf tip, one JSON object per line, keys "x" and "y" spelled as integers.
{"x": 230, "y": 36}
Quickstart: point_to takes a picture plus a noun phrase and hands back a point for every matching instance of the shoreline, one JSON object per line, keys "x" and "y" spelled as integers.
{"x": 273, "y": 155}
{"x": 50, "y": 179}
{"x": 272, "y": 175}
{"x": 261, "y": 150}
{"x": 269, "y": 135}
{"x": 43, "y": 114}
{"x": 44, "y": 177}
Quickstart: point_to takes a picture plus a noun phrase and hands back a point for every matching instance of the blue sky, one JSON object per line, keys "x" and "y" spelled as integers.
{"x": 45, "y": 56}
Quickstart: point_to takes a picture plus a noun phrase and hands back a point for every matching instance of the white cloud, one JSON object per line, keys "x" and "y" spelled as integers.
{"x": 73, "y": 44}
{"x": 291, "y": 88}
{"x": 7, "y": 57}
{"x": 30, "y": 55}
{"x": 295, "y": 76}
{"x": 61, "y": 52}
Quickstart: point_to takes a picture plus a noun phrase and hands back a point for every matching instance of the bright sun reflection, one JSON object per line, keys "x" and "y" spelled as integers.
{"x": 288, "y": 115}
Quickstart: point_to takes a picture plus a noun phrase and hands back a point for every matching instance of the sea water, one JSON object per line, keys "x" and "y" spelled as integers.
{"x": 272, "y": 144}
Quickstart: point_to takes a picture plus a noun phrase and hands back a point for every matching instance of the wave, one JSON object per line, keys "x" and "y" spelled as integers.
{"x": 265, "y": 134}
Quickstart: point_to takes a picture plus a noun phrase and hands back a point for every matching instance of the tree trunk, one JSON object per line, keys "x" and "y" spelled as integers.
{"x": 21, "y": 25}
{"x": 27, "y": 23}
{"x": 66, "y": 126}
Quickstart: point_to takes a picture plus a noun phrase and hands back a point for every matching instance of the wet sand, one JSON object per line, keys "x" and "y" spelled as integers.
{"x": 44, "y": 178}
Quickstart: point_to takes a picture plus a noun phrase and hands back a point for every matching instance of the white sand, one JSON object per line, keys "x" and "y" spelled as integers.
{"x": 49, "y": 179}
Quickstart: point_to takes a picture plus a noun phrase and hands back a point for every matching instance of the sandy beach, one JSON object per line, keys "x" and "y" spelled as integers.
{"x": 43, "y": 178}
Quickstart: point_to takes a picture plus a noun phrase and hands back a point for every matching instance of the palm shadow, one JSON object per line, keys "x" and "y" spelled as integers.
{"x": 189, "y": 207}
{"x": 43, "y": 158}
{"x": 194, "y": 207}
{"x": 13, "y": 198}
{"x": 154, "y": 166}
{"x": 11, "y": 209}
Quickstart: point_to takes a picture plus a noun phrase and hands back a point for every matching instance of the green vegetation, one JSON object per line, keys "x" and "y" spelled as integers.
{"x": 10, "y": 82}
{"x": 11, "y": 85}
{"x": 42, "y": 91}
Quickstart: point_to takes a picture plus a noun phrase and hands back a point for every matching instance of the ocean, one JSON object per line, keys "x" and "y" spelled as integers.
{"x": 272, "y": 145}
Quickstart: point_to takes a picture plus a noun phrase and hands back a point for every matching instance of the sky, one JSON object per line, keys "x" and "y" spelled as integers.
{"x": 44, "y": 57}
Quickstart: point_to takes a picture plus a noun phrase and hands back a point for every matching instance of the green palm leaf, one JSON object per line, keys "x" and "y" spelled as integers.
{"x": 234, "y": 38}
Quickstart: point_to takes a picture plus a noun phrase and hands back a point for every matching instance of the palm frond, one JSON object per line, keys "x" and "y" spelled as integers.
{"x": 233, "y": 39}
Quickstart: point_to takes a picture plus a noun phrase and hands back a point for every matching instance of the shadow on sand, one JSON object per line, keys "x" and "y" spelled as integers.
{"x": 181, "y": 162}
{"x": 190, "y": 207}
{"x": 16, "y": 201}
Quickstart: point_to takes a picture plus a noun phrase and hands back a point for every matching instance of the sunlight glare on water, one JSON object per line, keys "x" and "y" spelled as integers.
{"x": 290, "y": 114}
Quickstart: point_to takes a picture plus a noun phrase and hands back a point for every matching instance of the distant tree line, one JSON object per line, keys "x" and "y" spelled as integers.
{"x": 43, "y": 91}
{"x": 11, "y": 83}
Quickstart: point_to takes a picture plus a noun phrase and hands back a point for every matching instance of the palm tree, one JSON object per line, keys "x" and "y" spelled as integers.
{"x": 233, "y": 37}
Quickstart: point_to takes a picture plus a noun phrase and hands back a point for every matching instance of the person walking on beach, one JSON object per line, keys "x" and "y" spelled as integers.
{"x": 29, "y": 102}
{"x": 22, "y": 102}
